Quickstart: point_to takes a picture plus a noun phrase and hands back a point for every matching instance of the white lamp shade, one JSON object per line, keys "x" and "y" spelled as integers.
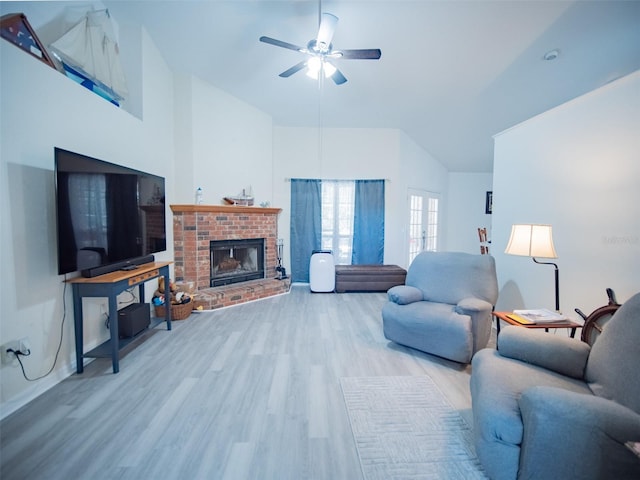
{"x": 314, "y": 64}
{"x": 531, "y": 241}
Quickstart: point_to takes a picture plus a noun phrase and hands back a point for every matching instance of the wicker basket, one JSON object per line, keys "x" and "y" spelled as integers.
{"x": 178, "y": 312}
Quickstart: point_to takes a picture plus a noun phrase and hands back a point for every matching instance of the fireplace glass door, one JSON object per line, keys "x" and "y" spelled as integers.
{"x": 234, "y": 261}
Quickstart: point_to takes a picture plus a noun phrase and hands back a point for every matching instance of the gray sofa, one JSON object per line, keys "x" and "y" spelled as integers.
{"x": 550, "y": 407}
{"x": 444, "y": 307}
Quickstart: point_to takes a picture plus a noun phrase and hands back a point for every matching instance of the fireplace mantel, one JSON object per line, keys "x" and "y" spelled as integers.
{"x": 223, "y": 209}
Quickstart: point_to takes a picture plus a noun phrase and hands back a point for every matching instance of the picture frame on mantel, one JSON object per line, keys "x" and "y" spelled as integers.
{"x": 15, "y": 28}
{"x": 488, "y": 205}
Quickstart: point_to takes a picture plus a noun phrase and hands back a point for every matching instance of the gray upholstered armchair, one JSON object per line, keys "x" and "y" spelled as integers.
{"x": 444, "y": 307}
{"x": 547, "y": 406}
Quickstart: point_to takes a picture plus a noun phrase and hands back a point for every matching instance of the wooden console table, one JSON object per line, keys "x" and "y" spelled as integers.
{"x": 110, "y": 285}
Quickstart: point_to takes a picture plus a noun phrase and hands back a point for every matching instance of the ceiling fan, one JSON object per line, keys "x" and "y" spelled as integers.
{"x": 321, "y": 52}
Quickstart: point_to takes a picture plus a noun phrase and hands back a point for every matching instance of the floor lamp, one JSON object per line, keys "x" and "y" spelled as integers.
{"x": 532, "y": 240}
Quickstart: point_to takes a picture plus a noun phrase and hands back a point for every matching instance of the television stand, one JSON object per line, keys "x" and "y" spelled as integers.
{"x": 110, "y": 285}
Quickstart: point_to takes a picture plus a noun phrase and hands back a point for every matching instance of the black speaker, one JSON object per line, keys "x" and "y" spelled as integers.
{"x": 133, "y": 319}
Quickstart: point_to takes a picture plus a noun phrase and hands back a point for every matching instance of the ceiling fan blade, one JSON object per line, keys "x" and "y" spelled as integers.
{"x": 280, "y": 43}
{"x": 296, "y": 68}
{"x": 363, "y": 54}
{"x": 327, "y": 28}
{"x": 338, "y": 77}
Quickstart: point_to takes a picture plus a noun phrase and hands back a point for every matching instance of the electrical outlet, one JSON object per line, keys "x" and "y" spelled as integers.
{"x": 21, "y": 345}
{"x": 8, "y": 357}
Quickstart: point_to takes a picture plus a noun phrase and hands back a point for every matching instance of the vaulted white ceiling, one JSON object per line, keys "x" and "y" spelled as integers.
{"x": 452, "y": 73}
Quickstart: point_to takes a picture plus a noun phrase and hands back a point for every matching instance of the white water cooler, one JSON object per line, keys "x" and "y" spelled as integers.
{"x": 322, "y": 271}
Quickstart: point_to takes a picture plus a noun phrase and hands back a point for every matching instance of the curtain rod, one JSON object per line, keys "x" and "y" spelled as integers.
{"x": 288, "y": 179}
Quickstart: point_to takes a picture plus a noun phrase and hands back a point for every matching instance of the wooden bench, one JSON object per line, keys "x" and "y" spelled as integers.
{"x": 368, "y": 278}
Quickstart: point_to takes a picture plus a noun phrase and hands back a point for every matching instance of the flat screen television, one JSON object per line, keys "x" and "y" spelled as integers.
{"x": 109, "y": 217}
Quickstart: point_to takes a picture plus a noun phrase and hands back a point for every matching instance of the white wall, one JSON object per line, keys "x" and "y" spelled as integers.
{"x": 348, "y": 154}
{"x": 224, "y": 145}
{"x": 577, "y": 168}
{"x": 466, "y": 213}
{"x": 184, "y": 166}
{"x": 41, "y": 109}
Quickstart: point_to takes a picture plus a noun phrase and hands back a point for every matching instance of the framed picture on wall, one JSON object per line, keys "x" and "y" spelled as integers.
{"x": 488, "y": 205}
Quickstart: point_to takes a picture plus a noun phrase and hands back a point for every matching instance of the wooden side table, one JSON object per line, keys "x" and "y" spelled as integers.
{"x": 564, "y": 324}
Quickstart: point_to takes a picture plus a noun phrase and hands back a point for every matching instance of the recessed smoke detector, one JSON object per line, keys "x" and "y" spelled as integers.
{"x": 551, "y": 54}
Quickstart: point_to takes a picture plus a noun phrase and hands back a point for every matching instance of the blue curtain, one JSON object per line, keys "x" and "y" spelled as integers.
{"x": 368, "y": 223}
{"x": 306, "y": 225}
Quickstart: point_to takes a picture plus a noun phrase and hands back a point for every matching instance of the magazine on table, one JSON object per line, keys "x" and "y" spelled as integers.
{"x": 542, "y": 315}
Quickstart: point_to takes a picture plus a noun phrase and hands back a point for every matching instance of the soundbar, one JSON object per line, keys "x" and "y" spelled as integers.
{"x": 124, "y": 265}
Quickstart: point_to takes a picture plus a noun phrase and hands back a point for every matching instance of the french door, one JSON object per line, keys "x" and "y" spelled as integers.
{"x": 423, "y": 222}
{"x": 338, "y": 201}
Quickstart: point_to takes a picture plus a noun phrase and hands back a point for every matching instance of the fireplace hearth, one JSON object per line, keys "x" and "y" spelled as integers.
{"x": 234, "y": 261}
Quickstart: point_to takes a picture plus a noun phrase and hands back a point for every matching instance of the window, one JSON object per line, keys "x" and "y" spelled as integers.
{"x": 344, "y": 216}
{"x": 337, "y": 219}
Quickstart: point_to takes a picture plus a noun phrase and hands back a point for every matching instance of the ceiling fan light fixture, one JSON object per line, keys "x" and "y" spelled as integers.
{"x": 321, "y": 52}
{"x": 314, "y": 65}
{"x": 328, "y": 69}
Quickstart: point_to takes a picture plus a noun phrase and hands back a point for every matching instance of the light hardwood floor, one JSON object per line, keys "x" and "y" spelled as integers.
{"x": 250, "y": 391}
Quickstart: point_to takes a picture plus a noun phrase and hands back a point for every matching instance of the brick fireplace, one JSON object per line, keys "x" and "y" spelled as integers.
{"x": 195, "y": 227}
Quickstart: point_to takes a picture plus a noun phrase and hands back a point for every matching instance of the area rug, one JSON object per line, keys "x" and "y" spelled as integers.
{"x": 404, "y": 428}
